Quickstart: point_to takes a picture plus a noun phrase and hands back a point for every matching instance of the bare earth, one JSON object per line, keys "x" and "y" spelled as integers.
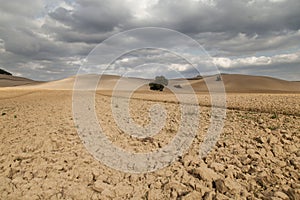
{"x": 42, "y": 156}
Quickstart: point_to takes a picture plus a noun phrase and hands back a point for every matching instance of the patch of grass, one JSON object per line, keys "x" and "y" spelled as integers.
{"x": 273, "y": 128}
{"x": 274, "y": 116}
{"x": 15, "y": 116}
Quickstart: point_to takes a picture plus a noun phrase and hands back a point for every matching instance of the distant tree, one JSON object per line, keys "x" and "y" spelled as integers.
{"x": 159, "y": 83}
{"x": 198, "y": 77}
{"x": 219, "y": 78}
{"x": 178, "y": 86}
{"x": 156, "y": 86}
{"x": 161, "y": 80}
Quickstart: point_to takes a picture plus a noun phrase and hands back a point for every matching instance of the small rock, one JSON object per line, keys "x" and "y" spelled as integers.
{"x": 176, "y": 186}
{"x": 269, "y": 154}
{"x": 295, "y": 185}
{"x": 240, "y": 176}
{"x": 245, "y": 161}
{"x": 209, "y": 195}
{"x": 262, "y": 126}
{"x": 108, "y": 193}
{"x": 217, "y": 167}
{"x": 262, "y": 181}
{"x": 204, "y": 173}
{"x": 267, "y": 130}
{"x": 250, "y": 151}
{"x": 293, "y": 193}
{"x": 99, "y": 186}
{"x": 252, "y": 185}
{"x": 281, "y": 163}
{"x": 283, "y": 131}
{"x": 157, "y": 194}
{"x": 220, "y": 196}
{"x": 281, "y": 195}
{"x": 283, "y": 141}
{"x": 18, "y": 181}
{"x": 194, "y": 195}
{"x": 252, "y": 170}
{"x": 122, "y": 189}
{"x": 200, "y": 187}
{"x": 272, "y": 140}
{"x": 260, "y": 121}
{"x": 292, "y": 148}
{"x": 262, "y": 152}
{"x": 189, "y": 160}
{"x": 293, "y": 162}
{"x": 277, "y": 150}
{"x": 28, "y": 176}
{"x": 260, "y": 140}
{"x": 220, "y": 186}
{"x": 233, "y": 186}
{"x": 255, "y": 157}
{"x": 230, "y": 172}
{"x": 277, "y": 171}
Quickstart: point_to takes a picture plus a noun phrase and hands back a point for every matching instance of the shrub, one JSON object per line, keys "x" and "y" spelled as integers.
{"x": 161, "y": 80}
{"x": 156, "y": 86}
{"x": 159, "y": 83}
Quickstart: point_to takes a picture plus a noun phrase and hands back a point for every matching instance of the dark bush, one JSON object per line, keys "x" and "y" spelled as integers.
{"x": 159, "y": 83}
{"x": 156, "y": 86}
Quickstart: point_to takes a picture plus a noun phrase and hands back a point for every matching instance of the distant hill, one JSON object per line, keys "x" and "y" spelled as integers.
{"x": 12, "y": 81}
{"x": 233, "y": 83}
{"x": 5, "y": 72}
{"x": 247, "y": 83}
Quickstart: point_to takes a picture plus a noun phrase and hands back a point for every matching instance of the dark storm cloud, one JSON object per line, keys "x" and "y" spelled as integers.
{"x": 241, "y": 44}
{"x": 91, "y": 21}
{"x": 28, "y": 50}
{"x": 93, "y": 16}
{"x": 231, "y": 24}
{"x": 236, "y": 16}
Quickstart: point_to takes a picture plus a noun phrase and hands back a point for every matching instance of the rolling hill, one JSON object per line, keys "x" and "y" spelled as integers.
{"x": 234, "y": 83}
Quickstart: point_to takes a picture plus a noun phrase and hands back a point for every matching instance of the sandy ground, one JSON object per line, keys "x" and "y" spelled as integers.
{"x": 42, "y": 156}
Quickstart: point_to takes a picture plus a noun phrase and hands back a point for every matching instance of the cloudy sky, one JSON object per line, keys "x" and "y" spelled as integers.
{"x": 51, "y": 39}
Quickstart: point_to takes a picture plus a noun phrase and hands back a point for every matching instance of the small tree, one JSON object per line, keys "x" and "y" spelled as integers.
{"x": 161, "y": 80}
{"x": 159, "y": 83}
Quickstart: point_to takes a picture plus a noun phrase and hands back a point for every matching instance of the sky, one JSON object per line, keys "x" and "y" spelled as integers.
{"x": 51, "y": 39}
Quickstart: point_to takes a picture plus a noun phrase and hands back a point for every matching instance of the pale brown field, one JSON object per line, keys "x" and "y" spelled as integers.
{"x": 42, "y": 156}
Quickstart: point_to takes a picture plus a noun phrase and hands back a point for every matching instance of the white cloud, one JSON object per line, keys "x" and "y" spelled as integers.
{"x": 289, "y": 58}
{"x": 179, "y": 67}
{"x": 257, "y": 61}
{"x": 223, "y": 62}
